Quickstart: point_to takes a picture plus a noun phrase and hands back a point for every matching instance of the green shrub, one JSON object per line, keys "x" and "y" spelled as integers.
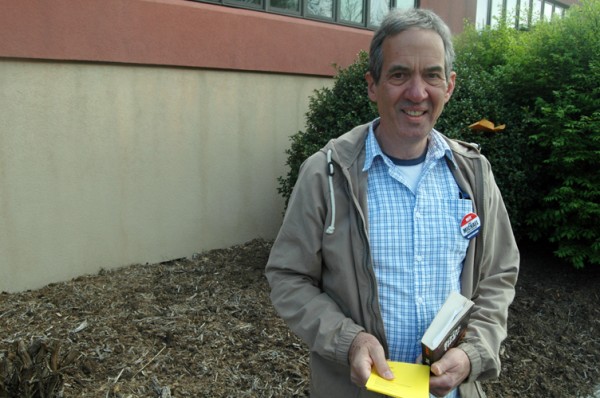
{"x": 555, "y": 76}
{"x": 332, "y": 111}
{"x": 543, "y": 84}
{"x": 570, "y": 212}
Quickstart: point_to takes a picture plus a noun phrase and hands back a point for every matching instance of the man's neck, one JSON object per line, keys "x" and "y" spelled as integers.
{"x": 405, "y": 149}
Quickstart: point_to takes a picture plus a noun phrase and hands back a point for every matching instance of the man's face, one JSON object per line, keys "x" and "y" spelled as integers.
{"x": 412, "y": 89}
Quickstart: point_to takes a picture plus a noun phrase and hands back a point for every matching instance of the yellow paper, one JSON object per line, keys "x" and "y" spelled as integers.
{"x": 410, "y": 381}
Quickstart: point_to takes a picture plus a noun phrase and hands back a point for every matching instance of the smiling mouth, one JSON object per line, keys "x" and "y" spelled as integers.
{"x": 414, "y": 113}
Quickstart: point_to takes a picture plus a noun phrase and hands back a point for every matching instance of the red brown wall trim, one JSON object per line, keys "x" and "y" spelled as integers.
{"x": 175, "y": 33}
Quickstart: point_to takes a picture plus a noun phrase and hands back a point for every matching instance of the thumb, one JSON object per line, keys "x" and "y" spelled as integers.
{"x": 383, "y": 368}
{"x": 437, "y": 368}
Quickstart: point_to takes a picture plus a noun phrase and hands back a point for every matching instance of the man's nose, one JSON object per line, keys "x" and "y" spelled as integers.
{"x": 416, "y": 90}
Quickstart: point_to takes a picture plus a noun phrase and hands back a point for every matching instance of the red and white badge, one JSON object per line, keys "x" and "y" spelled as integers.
{"x": 470, "y": 225}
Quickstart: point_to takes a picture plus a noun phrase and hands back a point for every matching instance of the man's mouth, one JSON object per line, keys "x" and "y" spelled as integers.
{"x": 414, "y": 113}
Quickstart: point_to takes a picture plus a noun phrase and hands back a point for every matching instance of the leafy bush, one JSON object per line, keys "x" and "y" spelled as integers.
{"x": 565, "y": 120}
{"x": 331, "y": 112}
{"x": 570, "y": 211}
{"x": 543, "y": 84}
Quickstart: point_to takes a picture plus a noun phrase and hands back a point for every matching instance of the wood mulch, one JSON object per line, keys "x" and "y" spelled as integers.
{"x": 205, "y": 327}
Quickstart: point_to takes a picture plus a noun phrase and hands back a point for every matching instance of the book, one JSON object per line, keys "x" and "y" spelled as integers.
{"x": 447, "y": 328}
{"x": 411, "y": 380}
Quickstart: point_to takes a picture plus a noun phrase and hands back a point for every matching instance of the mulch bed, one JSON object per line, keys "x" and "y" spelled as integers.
{"x": 205, "y": 327}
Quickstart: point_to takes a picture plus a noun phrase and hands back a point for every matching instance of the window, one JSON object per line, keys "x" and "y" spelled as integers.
{"x": 518, "y": 13}
{"x": 359, "y": 13}
{"x": 548, "y": 10}
{"x": 286, "y": 6}
{"x": 378, "y": 10}
{"x": 481, "y": 17}
{"x": 511, "y": 13}
{"x": 536, "y": 11}
{"x": 559, "y": 11}
{"x": 320, "y": 8}
{"x": 352, "y": 11}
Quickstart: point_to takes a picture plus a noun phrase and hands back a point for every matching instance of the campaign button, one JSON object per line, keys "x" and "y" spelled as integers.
{"x": 470, "y": 225}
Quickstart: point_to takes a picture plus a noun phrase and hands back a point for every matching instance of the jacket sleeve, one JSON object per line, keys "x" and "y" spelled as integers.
{"x": 495, "y": 276}
{"x": 295, "y": 267}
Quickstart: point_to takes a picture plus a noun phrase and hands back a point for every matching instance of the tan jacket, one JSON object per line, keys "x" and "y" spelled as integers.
{"x": 323, "y": 284}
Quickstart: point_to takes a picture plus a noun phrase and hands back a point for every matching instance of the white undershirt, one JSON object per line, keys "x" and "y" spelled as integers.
{"x": 410, "y": 169}
{"x": 411, "y": 174}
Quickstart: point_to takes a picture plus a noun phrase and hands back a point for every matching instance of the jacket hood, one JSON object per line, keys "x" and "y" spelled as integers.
{"x": 347, "y": 148}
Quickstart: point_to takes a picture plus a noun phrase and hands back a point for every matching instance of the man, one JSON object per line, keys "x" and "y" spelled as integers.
{"x": 371, "y": 244}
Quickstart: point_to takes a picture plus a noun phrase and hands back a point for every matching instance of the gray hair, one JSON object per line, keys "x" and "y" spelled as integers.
{"x": 397, "y": 21}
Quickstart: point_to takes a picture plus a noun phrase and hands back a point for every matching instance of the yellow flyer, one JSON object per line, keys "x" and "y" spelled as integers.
{"x": 410, "y": 381}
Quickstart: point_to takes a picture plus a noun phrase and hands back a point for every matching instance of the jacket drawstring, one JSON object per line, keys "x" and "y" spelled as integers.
{"x": 330, "y": 171}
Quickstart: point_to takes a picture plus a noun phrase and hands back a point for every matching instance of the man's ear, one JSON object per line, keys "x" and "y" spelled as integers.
{"x": 372, "y": 87}
{"x": 450, "y": 86}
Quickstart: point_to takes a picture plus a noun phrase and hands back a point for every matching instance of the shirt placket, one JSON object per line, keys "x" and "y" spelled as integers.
{"x": 420, "y": 283}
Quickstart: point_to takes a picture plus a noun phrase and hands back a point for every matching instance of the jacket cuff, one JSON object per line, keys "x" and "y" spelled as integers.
{"x": 474, "y": 358}
{"x": 345, "y": 341}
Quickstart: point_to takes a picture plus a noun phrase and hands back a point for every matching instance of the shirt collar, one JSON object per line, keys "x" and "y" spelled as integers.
{"x": 437, "y": 148}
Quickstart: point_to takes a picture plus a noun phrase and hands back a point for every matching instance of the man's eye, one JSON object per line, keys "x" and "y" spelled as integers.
{"x": 399, "y": 77}
{"x": 435, "y": 77}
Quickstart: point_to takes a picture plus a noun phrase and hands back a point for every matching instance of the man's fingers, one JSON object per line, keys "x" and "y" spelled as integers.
{"x": 359, "y": 376}
{"x": 365, "y": 353}
{"x": 383, "y": 370}
{"x": 380, "y": 363}
{"x": 449, "y": 372}
{"x": 436, "y": 369}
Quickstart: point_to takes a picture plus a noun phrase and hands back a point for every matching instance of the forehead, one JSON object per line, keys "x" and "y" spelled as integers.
{"x": 423, "y": 45}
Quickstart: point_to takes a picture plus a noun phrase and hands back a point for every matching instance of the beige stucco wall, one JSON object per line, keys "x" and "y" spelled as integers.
{"x": 105, "y": 165}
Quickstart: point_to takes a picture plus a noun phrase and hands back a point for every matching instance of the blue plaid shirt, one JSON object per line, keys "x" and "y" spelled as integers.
{"x": 416, "y": 244}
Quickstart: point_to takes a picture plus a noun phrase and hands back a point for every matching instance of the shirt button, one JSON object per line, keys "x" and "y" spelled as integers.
{"x": 419, "y": 258}
{"x": 417, "y": 214}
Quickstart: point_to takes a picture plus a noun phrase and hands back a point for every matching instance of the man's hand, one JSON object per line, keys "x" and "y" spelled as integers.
{"x": 365, "y": 352}
{"x": 449, "y": 372}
